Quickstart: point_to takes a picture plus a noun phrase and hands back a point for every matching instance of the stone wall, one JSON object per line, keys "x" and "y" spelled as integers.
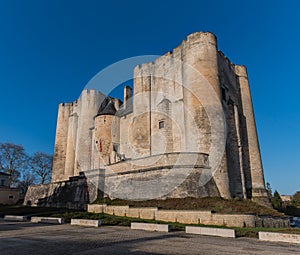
{"x": 60, "y": 147}
{"x": 9, "y": 196}
{"x": 255, "y": 164}
{"x": 192, "y": 217}
{"x": 72, "y": 194}
{"x": 167, "y": 175}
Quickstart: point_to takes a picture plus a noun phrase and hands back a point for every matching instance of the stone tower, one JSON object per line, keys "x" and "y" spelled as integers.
{"x": 72, "y": 153}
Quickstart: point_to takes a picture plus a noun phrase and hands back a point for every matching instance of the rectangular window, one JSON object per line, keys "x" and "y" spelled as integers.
{"x": 161, "y": 124}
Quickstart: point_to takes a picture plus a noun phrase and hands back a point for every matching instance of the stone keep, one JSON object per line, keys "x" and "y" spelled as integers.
{"x": 163, "y": 121}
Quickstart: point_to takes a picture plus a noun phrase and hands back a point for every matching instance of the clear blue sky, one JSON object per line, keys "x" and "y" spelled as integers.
{"x": 49, "y": 50}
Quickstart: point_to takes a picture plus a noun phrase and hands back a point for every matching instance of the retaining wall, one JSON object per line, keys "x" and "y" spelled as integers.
{"x": 192, "y": 217}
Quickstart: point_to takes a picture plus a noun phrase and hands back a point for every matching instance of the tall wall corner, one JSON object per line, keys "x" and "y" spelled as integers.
{"x": 60, "y": 147}
{"x": 259, "y": 193}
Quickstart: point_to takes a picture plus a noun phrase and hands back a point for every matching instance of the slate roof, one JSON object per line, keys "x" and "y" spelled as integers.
{"x": 107, "y": 107}
{"x": 129, "y": 108}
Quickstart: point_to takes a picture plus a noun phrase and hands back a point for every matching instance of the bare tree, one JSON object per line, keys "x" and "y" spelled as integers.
{"x": 13, "y": 159}
{"x": 28, "y": 179}
{"x": 41, "y": 164}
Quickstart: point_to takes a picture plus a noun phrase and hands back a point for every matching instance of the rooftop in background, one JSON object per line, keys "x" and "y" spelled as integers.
{"x": 286, "y": 198}
{"x": 2, "y": 173}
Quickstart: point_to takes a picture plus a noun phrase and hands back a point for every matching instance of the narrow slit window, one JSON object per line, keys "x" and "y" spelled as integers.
{"x": 224, "y": 94}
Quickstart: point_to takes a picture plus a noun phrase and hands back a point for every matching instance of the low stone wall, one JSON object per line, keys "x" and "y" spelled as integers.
{"x": 96, "y": 208}
{"x": 279, "y": 237}
{"x": 72, "y": 194}
{"x": 192, "y": 217}
{"x": 181, "y": 216}
{"x": 164, "y": 160}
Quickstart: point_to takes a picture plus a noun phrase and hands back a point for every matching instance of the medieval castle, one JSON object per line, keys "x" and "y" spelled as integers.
{"x": 186, "y": 129}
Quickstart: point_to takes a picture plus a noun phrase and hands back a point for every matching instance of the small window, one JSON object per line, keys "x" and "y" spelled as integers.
{"x": 161, "y": 124}
{"x": 11, "y": 197}
{"x": 115, "y": 147}
{"x": 2, "y": 182}
{"x": 224, "y": 94}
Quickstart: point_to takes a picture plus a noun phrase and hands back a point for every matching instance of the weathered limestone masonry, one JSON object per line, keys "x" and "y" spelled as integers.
{"x": 164, "y": 127}
{"x": 279, "y": 237}
{"x": 73, "y": 135}
{"x": 192, "y": 217}
{"x": 72, "y": 194}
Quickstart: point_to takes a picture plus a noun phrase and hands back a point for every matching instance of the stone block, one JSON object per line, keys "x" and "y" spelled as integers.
{"x": 96, "y": 208}
{"x": 116, "y": 210}
{"x": 163, "y": 227}
{"x": 279, "y": 237}
{"x": 148, "y": 213}
{"x": 150, "y": 227}
{"x": 223, "y": 232}
{"x": 86, "y": 223}
{"x": 50, "y": 220}
{"x": 166, "y": 215}
{"x": 15, "y": 218}
{"x": 133, "y": 213}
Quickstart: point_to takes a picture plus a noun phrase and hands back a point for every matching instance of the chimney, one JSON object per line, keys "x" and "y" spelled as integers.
{"x": 127, "y": 95}
{"x": 116, "y": 103}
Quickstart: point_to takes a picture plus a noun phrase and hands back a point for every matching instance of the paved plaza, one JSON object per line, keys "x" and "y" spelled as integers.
{"x": 32, "y": 238}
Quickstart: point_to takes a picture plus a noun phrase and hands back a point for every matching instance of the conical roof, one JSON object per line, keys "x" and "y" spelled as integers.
{"x": 107, "y": 107}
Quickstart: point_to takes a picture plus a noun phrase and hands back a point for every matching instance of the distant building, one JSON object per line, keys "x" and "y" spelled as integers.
{"x": 8, "y": 195}
{"x": 286, "y": 198}
{"x": 4, "y": 179}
